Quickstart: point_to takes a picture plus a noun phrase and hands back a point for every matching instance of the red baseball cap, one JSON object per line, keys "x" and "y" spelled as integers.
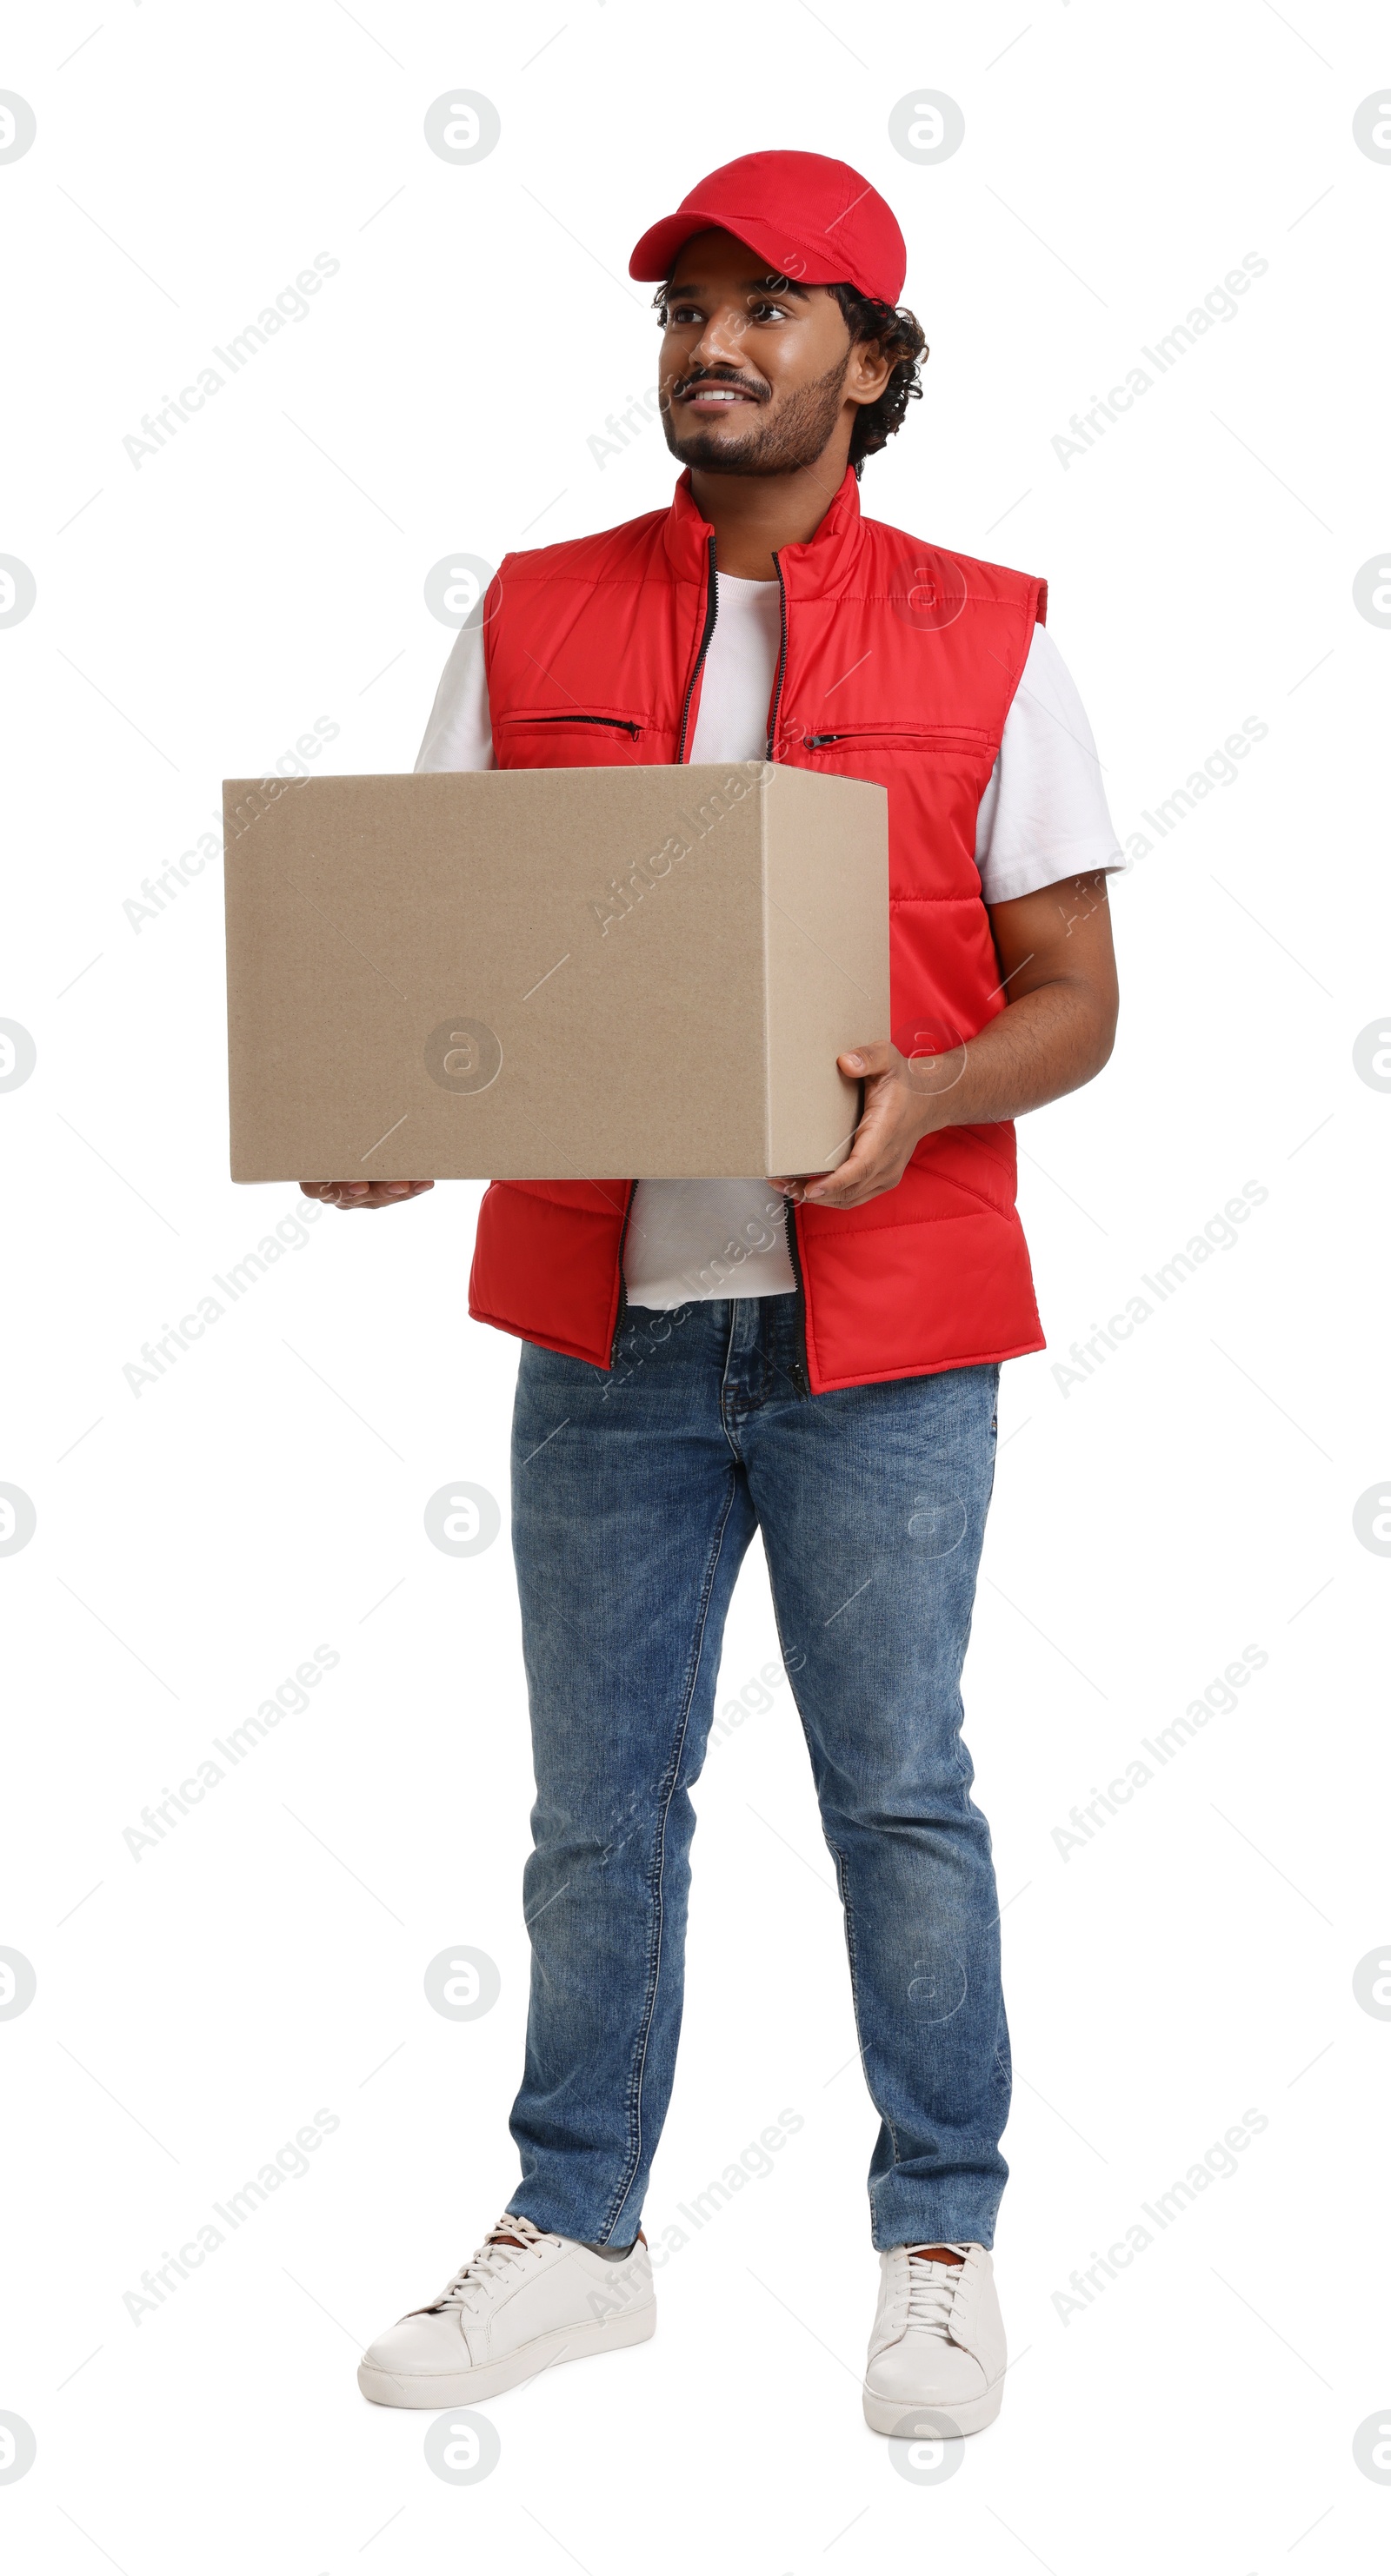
{"x": 810, "y": 218}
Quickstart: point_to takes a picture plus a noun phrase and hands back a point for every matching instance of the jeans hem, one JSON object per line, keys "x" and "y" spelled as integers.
{"x": 959, "y": 2224}
{"x": 552, "y": 2227}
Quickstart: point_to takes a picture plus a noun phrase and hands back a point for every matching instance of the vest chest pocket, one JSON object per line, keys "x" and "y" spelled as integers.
{"x": 568, "y": 738}
{"x": 893, "y": 736}
{"x": 936, "y": 775}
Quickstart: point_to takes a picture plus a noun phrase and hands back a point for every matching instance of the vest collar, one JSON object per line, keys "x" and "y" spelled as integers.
{"x": 818, "y": 569}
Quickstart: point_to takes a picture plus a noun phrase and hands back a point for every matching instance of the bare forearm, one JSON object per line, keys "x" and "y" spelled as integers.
{"x": 1047, "y": 1043}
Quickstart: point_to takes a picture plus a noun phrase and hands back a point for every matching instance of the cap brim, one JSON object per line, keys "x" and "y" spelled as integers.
{"x": 657, "y": 252}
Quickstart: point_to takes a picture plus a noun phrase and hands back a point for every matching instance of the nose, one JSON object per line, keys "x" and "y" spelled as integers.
{"x": 721, "y": 343}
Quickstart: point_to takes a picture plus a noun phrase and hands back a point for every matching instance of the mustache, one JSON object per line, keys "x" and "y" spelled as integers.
{"x": 719, "y": 376}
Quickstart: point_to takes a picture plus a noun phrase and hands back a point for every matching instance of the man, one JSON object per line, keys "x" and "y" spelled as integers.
{"x": 815, "y": 1356}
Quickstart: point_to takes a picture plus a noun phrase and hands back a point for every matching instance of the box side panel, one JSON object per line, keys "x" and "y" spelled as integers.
{"x": 254, "y": 832}
{"x": 826, "y": 908}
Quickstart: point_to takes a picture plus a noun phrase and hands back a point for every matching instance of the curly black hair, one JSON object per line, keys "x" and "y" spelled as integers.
{"x": 890, "y": 327}
{"x": 899, "y": 333}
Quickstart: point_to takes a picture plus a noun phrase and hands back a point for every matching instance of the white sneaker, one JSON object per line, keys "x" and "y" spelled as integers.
{"x": 938, "y": 2342}
{"x": 511, "y": 2312}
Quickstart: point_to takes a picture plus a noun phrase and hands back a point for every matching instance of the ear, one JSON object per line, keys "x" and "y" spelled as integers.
{"x": 870, "y": 370}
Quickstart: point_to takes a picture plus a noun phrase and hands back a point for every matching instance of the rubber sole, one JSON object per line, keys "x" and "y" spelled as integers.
{"x": 442, "y": 2388}
{"x": 897, "y": 2415}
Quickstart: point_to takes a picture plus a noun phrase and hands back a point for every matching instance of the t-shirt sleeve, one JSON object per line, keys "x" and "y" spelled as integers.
{"x": 459, "y": 734}
{"x": 1043, "y": 815}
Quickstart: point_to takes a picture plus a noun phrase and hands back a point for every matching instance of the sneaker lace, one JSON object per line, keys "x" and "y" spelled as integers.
{"x": 931, "y": 2293}
{"x": 491, "y": 2263}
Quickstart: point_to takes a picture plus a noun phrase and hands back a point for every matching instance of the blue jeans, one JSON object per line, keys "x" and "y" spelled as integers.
{"x": 634, "y": 1496}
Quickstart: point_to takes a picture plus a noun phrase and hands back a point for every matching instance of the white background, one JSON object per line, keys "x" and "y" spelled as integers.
{"x": 197, "y": 1540}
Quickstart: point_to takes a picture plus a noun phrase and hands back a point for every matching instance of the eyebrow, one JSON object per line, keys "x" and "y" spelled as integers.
{"x": 771, "y": 280}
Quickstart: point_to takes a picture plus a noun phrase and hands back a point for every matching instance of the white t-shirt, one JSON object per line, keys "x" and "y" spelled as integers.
{"x": 1043, "y": 816}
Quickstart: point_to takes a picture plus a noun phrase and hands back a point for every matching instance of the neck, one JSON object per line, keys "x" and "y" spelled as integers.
{"x": 753, "y": 513}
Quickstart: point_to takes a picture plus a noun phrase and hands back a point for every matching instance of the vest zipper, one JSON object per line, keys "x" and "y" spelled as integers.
{"x": 618, "y": 1320}
{"x": 800, "y": 1379}
{"x": 619, "y": 724}
{"x": 707, "y": 630}
{"x": 711, "y": 606}
{"x": 870, "y": 734}
{"x": 782, "y": 660}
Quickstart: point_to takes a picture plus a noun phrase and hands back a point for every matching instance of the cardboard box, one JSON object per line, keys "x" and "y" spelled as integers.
{"x": 551, "y": 973}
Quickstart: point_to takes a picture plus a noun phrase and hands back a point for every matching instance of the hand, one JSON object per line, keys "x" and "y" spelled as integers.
{"x": 903, "y": 1103}
{"x": 364, "y": 1194}
{"x": 1056, "y": 1030}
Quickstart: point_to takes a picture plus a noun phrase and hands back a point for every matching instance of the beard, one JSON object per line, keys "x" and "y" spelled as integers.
{"x": 794, "y": 437}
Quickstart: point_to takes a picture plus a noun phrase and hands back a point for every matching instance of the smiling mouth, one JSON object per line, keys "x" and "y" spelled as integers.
{"x": 715, "y": 396}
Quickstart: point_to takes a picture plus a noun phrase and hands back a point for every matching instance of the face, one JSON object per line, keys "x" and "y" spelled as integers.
{"x": 758, "y": 375}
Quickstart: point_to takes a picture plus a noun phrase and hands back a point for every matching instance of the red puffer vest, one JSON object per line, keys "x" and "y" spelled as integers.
{"x": 898, "y": 663}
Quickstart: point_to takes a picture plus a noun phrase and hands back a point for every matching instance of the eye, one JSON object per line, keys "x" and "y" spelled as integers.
{"x": 766, "y": 311}
{"x": 677, "y": 313}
